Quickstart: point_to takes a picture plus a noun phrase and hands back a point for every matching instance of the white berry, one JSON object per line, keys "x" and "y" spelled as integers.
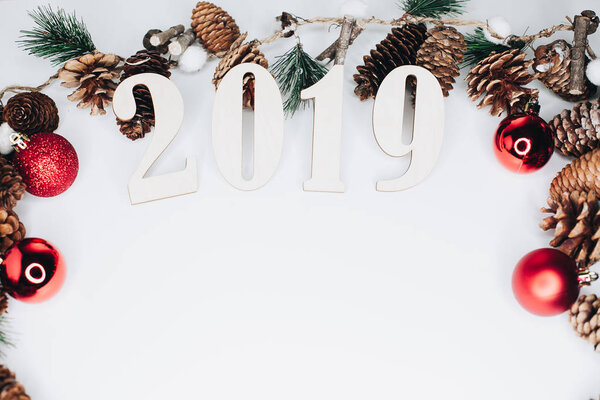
{"x": 354, "y": 8}
{"x": 193, "y": 59}
{"x": 593, "y": 72}
{"x": 5, "y": 139}
{"x": 500, "y": 26}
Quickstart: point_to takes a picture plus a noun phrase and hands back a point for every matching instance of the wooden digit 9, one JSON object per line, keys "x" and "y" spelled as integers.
{"x": 428, "y": 130}
{"x": 168, "y": 114}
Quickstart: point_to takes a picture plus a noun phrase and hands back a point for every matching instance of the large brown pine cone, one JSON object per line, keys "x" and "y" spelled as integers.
{"x": 585, "y": 319}
{"x": 577, "y": 131}
{"x": 581, "y": 175}
{"x": 399, "y": 48}
{"x": 93, "y": 75}
{"x": 12, "y": 187}
{"x": 10, "y": 389}
{"x": 31, "y": 113}
{"x": 241, "y": 53}
{"x": 11, "y": 229}
{"x": 441, "y": 53}
{"x": 553, "y": 64}
{"x": 144, "y": 61}
{"x": 215, "y": 29}
{"x": 499, "y": 79}
{"x": 576, "y": 224}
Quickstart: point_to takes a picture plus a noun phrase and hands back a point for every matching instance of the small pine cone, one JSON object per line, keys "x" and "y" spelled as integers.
{"x": 553, "y": 65}
{"x": 581, "y": 175}
{"x": 441, "y": 53}
{"x": 12, "y": 187}
{"x": 3, "y": 301}
{"x": 576, "y": 222}
{"x": 577, "y": 132}
{"x": 10, "y": 389}
{"x": 31, "y": 113}
{"x": 399, "y": 48}
{"x": 215, "y": 29}
{"x": 144, "y": 61}
{"x": 499, "y": 79}
{"x": 585, "y": 319}
{"x": 11, "y": 229}
{"x": 93, "y": 75}
{"x": 241, "y": 53}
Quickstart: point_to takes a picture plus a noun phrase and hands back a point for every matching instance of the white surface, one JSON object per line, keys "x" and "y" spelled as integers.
{"x": 362, "y": 295}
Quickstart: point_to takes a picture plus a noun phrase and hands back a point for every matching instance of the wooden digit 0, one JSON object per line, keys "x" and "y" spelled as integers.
{"x": 268, "y": 126}
{"x": 168, "y": 113}
{"x": 428, "y": 130}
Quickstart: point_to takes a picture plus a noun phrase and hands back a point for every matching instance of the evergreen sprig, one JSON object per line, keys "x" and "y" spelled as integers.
{"x": 4, "y": 337}
{"x": 479, "y": 47}
{"x": 433, "y": 8}
{"x": 295, "y": 71}
{"x": 57, "y": 36}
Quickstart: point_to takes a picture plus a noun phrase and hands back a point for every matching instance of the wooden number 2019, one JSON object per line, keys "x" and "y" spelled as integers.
{"x": 388, "y": 122}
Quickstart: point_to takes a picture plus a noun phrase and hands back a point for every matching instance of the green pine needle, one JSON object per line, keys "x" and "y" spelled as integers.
{"x": 57, "y": 36}
{"x": 295, "y": 71}
{"x": 479, "y": 47}
{"x": 4, "y": 338}
{"x": 433, "y": 8}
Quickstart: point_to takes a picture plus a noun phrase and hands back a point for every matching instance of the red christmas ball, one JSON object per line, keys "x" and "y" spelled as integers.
{"x": 48, "y": 165}
{"x": 545, "y": 282}
{"x": 33, "y": 270}
{"x": 523, "y": 143}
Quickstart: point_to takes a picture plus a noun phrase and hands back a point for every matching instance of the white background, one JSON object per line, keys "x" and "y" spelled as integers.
{"x": 280, "y": 294}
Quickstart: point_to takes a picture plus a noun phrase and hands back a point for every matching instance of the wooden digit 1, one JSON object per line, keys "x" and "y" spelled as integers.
{"x": 268, "y": 126}
{"x": 327, "y": 132}
{"x": 168, "y": 114}
{"x": 428, "y": 127}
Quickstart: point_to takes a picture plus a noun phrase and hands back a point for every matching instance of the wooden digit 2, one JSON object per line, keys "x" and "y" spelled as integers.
{"x": 327, "y": 132}
{"x": 168, "y": 113}
{"x": 428, "y": 130}
{"x": 268, "y": 126}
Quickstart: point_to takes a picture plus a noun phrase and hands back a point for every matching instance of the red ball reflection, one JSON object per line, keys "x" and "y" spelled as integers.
{"x": 33, "y": 270}
{"x": 523, "y": 143}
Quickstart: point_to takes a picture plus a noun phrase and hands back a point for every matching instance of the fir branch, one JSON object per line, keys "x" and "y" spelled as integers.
{"x": 433, "y": 8}
{"x": 4, "y": 337}
{"x": 479, "y": 47}
{"x": 57, "y": 36}
{"x": 295, "y": 71}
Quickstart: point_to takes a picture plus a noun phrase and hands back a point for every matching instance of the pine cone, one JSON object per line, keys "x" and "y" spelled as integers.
{"x": 214, "y": 28}
{"x": 585, "y": 319}
{"x": 399, "y": 48}
{"x": 10, "y": 389}
{"x": 581, "y": 175}
{"x": 499, "y": 79}
{"x": 553, "y": 64}
{"x": 576, "y": 224}
{"x": 31, "y": 113}
{"x": 144, "y": 61}
{"x": 11, "y": 229}
{"x": 441, "y": 53}
{"x": 577, "y": 132}
{"x": 3, "y": 301}
{"x": 241, "y": 53}
{"x": 93, "y": 74}
{"x": 12, "y": 187}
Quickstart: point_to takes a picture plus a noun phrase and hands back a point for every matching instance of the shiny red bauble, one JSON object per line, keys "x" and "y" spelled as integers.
{"x": 545, "y": 282}
{"x": 48, "y": 165}
{"x": 523, "y": 142}
{"x": 33, "y": 270}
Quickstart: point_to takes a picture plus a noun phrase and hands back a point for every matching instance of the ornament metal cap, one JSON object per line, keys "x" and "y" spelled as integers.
{"x": 585, "y": 277}
{"x": 532, "y": 106}
{"x": 18, "y": 141}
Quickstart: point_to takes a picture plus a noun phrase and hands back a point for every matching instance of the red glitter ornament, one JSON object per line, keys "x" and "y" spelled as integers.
{"x": 546, "y": 282}
{"x": 48, "y": 164}
{"x": 524, "y": 141}
{"x": 33, "y": 270}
